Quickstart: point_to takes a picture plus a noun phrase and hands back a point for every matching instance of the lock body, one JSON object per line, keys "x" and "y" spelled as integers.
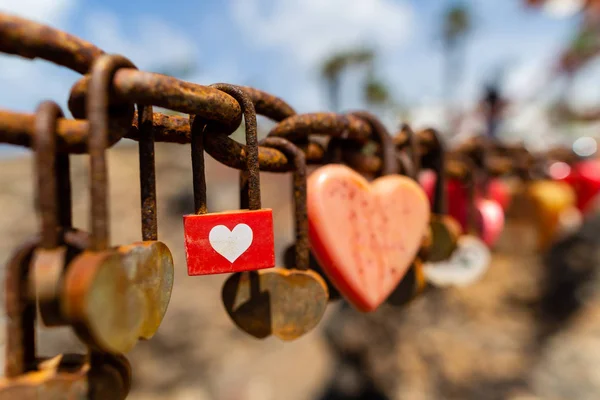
{"x": 445, "y": 231}
{"x": 226, "y": 242}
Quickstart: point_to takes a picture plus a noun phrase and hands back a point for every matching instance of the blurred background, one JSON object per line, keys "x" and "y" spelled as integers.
{"x": 521, "y": 70}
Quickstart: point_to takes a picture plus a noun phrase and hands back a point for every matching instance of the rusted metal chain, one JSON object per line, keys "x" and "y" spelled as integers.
{"x": 72, "y": 134}
{"x": 268, "y": 105}
{"x": 299, "y": 127}
{"x": 32, "y": 40}
{"x": 133, "y": 86}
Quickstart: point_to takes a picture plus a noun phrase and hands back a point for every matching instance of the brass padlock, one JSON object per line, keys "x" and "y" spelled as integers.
{"x": 68, "y": 376}
{"x": 286, "y": 303}
{"x": 99, "y": 298}
{"x": 444, "y": 229}
{"x": 149, "y": 264}
{"x": 553, "y": 205}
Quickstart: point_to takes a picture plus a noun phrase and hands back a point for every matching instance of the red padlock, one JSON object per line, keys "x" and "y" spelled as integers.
{"x": 456, "y": 193}
{"x": 584, "y": 177}
{"x": 499, "y": 191}
{"x": 231, "y": 241}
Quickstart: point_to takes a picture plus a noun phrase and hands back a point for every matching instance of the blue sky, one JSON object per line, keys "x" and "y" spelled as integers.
{"x": 278, "y": 46}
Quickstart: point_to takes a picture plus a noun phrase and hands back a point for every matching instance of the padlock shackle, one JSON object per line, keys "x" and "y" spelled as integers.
{"x": 296, "y": 155}
{"x": 382, "y": 136}
{"x": 97, "y": 110}
{"x": 147, "y": 174}
{"x": 251, "y": 199}
{"x": 20, "y": 346}
{"x": 53, "y": 188}
{"x": 470, "y": 182}
{"x": 409, "y": 157}
{"x": 437, "y": 163}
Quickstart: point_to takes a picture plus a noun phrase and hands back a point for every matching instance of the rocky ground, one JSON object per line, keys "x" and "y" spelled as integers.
{"x": 488, "y": 341}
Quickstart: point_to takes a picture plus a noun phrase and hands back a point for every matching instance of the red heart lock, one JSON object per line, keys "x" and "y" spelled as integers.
{"x": 499, "y": 192}
{"x": 585, "y": 179}
{"x": 427, "y": 181}
{"x": 227, "y": 242}
{"x": 456, "y": 194}
{"x": 365, "y": 235}
{"x": 489, "y": 212}
{"x": 490, "y": 220}
{"x": 233, "y": 241}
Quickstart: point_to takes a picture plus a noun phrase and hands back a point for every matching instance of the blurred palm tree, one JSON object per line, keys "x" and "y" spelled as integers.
{"x": 456, "y": 26}
{"x": 376, "y": 92}
{"x": 334, "y": 67}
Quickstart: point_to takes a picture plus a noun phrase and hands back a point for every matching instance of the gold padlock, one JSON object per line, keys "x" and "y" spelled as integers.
{"x": 554, "y": 209}
{"x": 99, "y": 299}
{"x": 68, "y": 376}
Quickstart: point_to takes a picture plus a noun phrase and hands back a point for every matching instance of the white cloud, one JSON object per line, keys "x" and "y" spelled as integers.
{"x": 585, "y": 91}
{"x": 529, "y": 78}
{"x": 306, "y": 31}
{"x": 149, "y": 44}
{"x": 24, "y": 83}
{"x": 53, "y": 12}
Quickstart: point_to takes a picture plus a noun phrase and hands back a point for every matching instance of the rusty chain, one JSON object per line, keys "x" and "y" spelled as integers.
{"x": 111, "y": 85}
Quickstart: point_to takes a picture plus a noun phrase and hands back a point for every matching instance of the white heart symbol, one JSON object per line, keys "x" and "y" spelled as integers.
{"x": 231, "y": 244}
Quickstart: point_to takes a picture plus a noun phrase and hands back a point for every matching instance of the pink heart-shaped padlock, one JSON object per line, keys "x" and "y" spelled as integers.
{"x": 365, "y": 235}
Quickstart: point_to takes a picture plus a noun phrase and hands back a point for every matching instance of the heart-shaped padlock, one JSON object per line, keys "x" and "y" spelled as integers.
{"x": 498, "y": 190}
{"x": 584, "y": 177}
{"x": 149, "y": 263}
{"x": 286, "y": 303}
{"x": 92, "y": 376}
{"x": 98, "y": 375}
{"x": 231, "y": 241}
{"x": 553, "y": 209}
{"x": 365, "y": 235}
{"x": 104, "y": 305}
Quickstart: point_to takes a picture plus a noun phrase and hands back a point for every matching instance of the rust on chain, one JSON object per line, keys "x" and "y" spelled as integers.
{"x": 298, "y": 127}
{"x": 268, "y": 105}
{"x": 252, "y": 166}
{"x": 18, "y": 129}
{"x": 380, "y": 135}
{"x": 363, "y": 163}
{"x": 299, "y": 196}
{"x": 72, "y": 134}
{"x": 134, "y": 86}
{"x": 233, "y": 154}
{"x": 32, "y": 40}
